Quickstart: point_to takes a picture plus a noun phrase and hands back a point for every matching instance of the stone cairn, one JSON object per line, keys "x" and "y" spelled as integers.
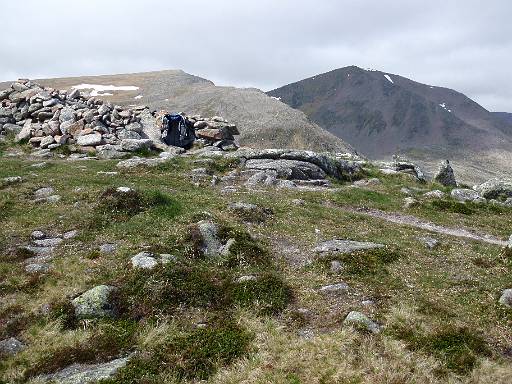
{"x": 48, "y": 119}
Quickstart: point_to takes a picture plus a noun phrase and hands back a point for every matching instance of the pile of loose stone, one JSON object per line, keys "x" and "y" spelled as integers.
{"x": 48, "y": 118}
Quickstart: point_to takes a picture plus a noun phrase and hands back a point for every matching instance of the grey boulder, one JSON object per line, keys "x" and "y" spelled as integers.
{"x": 90, "y": 140}
{"x": 464, "y": 195}
{"x": 95, "y": 303}
{"x": 132, "y": 145}
{"x": 85, "y": 373}
{"x": 11, "y": 346}
{"x": 495, "y": 188}
{"x": 360, "y": 321}
{"x": 445, "y": 175}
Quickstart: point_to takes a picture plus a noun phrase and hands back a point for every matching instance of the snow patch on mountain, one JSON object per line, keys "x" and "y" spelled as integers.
{"x": 100, "y": 90}
{"x": 389, "y": 79}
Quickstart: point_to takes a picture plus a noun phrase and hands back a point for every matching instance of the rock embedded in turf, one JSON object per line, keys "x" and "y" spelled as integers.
{"x": 12, "y": 180}
{"x": 344, "y": 247}
{"x": 37, "y": 234}
{"x": 95, "y": 303}
{"x": 70, "y": 234}
{"x": 85, "y": 373}
{"x": 44, "y": 192}
{"x": 210, "y": 243}
{"x": 463, "y": 195}
{"x": 11, "y": 346}
{"x": 108, "y": 248}
{"x": 38, "y": 268}
{"x": 506, "y": 298}
{"x": 334, "y": 288}
{"x": 51, "y": 242}
{"x": 244, "y": 279}
{"x": 361, "y": 321}
{"x": 410, "y": 202}
{"x": 435, "y": 194}
{"x": 429, "y": 242}
{"x": 144, "y": 260}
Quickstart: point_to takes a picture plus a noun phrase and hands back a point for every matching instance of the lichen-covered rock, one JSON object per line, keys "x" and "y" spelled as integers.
{"x": 495, "y": 189}
{"x": 144, "y": 260}
{"x": 335, "y": 288}
{"x": 435, "y": 194}
{"x": 343, "y": 247}
{"x": 464, "y": 195}
{"x": 11, "y": 346}
{"x": 95, "y": 303}
{"x": 85, "y": 373}
{"x": 362, "y": 322}
{"x": 209, "y": 241}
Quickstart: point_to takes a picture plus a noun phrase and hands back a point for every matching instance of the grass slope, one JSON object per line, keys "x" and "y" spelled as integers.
{"x": 192, "y": 321}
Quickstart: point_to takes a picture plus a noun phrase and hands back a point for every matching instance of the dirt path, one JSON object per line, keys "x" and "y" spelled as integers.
{"x": 415, "y": 222}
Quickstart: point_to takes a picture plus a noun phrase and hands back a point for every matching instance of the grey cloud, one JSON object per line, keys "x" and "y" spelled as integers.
{"x": 461, "y": 44}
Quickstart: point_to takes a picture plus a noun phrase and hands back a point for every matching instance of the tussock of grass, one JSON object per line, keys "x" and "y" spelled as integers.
{"x": 269, "y": 294}
{"x": 122, "y": 206}
{"x": 452, "y": 206}
{"x": 246, "y": 252}
{"x": 106, "y": 341}
{"x": 458, "y": 349}
{"x": 223, "y": 165}
{"x": 194, "y": 355}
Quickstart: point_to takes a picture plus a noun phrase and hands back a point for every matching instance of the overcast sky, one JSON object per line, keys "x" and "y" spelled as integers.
{"x": 461, "y": 44}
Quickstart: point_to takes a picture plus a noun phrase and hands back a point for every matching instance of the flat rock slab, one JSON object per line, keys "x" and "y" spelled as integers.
{"x": 344, "y": 247}
{"x": 86, "y": 373}
{"x": 287, "y": 169}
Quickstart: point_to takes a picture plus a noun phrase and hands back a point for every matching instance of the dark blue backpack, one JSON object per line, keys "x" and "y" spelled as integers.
{"x": 180, "y": 133}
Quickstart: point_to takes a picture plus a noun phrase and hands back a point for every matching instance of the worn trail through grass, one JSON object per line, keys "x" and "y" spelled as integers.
{"x": 428, "y": 226}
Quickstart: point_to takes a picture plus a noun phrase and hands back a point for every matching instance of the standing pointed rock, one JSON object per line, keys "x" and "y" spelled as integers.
{"x": 445, "y": 175}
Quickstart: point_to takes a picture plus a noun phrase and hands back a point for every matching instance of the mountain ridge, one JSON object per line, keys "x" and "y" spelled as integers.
{"x": 381, "y": 114}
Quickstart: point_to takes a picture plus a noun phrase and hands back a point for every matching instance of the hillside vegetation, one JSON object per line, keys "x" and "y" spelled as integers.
{"x": 268, "y": 308}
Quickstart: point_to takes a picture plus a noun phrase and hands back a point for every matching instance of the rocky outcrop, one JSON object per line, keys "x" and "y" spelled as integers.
{"x": 495, "y": 189}
{"x": 48, "y": 118}
{"x": 445, "y": 175}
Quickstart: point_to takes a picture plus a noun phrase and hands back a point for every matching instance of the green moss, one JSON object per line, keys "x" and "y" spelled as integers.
{"x": 268, "y": 294}
{"x": 452, "y": 206}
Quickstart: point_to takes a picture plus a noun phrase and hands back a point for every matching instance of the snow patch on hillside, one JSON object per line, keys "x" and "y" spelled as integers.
{"x": 389, "y": 79}
{"x": 138, "y": 97}
{"x": 100, "y": 90}
{"x": 443, "y": 105}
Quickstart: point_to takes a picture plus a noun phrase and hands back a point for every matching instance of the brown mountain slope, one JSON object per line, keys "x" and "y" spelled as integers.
{"x": 263, "y": 121}
{"x": 381, "y": 114}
